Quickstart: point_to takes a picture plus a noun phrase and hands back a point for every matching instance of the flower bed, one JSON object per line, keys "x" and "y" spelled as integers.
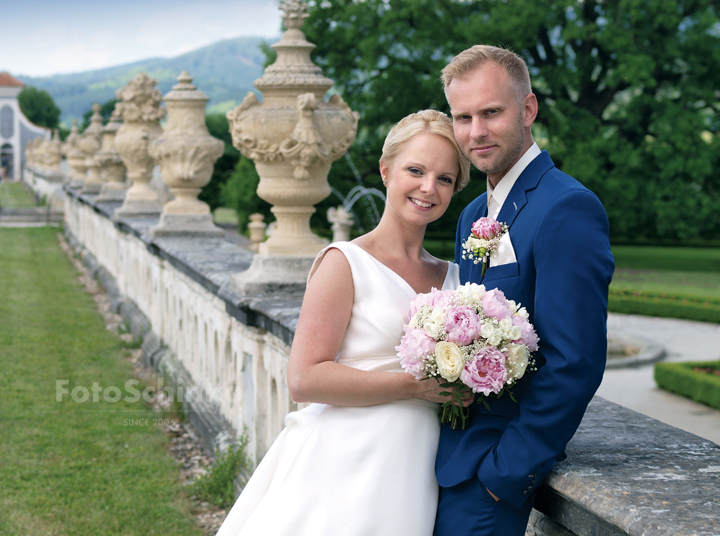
{"x": 697, "y": 380}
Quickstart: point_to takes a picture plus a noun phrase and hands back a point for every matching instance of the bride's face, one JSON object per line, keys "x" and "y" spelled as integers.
{"x": 421, "y": 178}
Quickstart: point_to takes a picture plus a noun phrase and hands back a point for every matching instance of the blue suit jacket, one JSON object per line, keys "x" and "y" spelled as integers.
{"x": 559, "y": 231}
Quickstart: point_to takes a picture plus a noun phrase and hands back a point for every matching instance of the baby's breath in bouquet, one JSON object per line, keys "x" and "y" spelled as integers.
{"x": 472, "y": 339}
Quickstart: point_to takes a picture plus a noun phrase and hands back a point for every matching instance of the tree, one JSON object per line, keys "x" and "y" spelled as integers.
{"x": 212, "y": 193}
{"x": 39, "y": 107}
{"x": 627, "y": 91}
{"x": 240, "y": 192}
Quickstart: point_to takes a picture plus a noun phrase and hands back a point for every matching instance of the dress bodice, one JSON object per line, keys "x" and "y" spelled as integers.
{"x": 380, "y": 309}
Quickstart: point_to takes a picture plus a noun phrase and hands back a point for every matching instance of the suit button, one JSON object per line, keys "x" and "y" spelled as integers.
{"x": 525, "y": 492}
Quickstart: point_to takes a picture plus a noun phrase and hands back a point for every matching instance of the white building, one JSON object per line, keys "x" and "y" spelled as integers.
{"x": 15, "y": 129}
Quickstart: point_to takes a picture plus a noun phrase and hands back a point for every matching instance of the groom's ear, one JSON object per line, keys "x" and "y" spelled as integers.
{"x": 530, "y": 109}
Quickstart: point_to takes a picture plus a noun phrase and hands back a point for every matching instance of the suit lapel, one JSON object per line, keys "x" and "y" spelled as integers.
{"x": 528, "y": 180}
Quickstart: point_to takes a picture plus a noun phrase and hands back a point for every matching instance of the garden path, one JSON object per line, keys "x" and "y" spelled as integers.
{"x": 635, "y": 388}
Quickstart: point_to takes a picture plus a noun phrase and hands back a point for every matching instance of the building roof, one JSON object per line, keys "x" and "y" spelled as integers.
{"x": 8, "y": 80}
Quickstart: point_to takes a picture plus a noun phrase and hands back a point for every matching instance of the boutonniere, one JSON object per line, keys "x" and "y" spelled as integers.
{"x": 483, "y": 241}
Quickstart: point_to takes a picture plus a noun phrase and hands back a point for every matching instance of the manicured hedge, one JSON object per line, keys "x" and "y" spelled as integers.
{"x": 651, "y": 304}
{"x": 680, "y": 378}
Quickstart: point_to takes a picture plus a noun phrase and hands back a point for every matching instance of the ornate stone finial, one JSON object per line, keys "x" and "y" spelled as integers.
{"x": 342, "y": 221}
{"x": 295, "y": 13}
{"x": 139, "y": 101}
{"x": 140, "y": 110}
{"x": 186, "y": 154}
{"x": 292, "y": 136}
{"x": 89, "y": 143}
{"x": 112, "y": 169}
{"x": 257, "y": 228}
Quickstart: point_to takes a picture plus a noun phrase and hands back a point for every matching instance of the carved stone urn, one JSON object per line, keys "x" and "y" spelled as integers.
{"x": 186, "y": 154}
{"x": 90, "y": 143}
{"x": 140, "y": 110}
{"x": 112, "y": 169}
{"x": 293, "y": 136}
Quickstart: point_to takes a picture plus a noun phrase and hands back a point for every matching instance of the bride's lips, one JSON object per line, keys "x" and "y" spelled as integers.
{"x": 421, "y": 206}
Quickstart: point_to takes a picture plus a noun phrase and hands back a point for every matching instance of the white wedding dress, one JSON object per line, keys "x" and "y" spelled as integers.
{"x": 352, "y": 471}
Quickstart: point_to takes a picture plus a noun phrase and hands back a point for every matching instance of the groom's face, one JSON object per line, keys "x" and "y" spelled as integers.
{"x": 488, "y": 121}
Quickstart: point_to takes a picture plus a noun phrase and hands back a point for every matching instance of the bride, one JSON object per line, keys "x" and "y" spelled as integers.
{"x": 360, "y": 459}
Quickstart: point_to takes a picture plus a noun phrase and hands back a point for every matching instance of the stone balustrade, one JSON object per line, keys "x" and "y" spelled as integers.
{"x": 626, "y": 474}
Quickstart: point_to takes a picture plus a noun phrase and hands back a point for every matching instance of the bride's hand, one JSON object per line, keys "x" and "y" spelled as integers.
{"x": 430, "y": 389}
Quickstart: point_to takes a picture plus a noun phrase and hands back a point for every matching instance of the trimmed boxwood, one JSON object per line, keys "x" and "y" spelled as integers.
{"x": 680, "y": 378}
{"x": 649, "y": 304}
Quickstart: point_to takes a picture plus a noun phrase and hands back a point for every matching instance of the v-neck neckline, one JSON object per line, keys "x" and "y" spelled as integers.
{"x": 401, "y": 278}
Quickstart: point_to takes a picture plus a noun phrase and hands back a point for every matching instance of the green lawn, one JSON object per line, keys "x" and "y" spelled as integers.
{"x": 667, "y": 258}
{"x": 14, "y": 195}
{"x": 71, "y": 467}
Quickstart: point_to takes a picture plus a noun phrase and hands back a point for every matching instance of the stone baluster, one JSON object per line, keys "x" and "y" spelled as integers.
{"x": 140, "y": 110}
{"x": 257, "y": 228}
{"x": 342, "y": 221}
{"x": 112, "y": 169}
{"x": 90, "y": 143}
{"x": 186, "y": 154}
{"x": 292, "y": 136}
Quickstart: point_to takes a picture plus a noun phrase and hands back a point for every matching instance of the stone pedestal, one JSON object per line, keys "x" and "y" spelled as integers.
{"x": 140, "y": 110}
{"x": 257, "y": 227}
{"x": 186, "y": 154}
{"x": 273, "y": 275}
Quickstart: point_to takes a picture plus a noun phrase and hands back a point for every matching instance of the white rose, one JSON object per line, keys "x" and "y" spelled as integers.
{"x": 515, "y": 333}
{"x": 495, "y": 339}
{"x": 522, "y": 313}
{"x": 435, "y": 323}
{"x": 513, "y": 305}
{"x": 471, "y": 292}
{"x": 517, "y": 360}
{"x": 449, "y": 361}
{"x": 487, "y": 330}
{"x": 506, "y": 326}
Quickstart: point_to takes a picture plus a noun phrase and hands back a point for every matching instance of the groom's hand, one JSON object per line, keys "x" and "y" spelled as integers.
{"x": 493, "y": 495}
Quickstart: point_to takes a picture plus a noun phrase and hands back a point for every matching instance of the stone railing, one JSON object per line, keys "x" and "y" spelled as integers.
{"x": 228, "y": 352}
{"x": 626, "y": 474}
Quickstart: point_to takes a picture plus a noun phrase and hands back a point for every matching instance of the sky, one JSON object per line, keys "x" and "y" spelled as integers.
{"x": 46, "y": 37}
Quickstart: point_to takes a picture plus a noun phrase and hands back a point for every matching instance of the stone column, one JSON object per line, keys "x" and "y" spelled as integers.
{"x": 342, "y": 221}
{"x": 140, "y": 110}
{"x": 90, "y": 143}
{"x": 293, "y": 136}
{"x": 112, "y": 169}
{"x": 186, "y": 154}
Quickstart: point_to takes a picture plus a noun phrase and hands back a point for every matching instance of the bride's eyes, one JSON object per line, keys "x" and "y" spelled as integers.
{"x": 446, "y": 179}
{"x": 415, "y": 171}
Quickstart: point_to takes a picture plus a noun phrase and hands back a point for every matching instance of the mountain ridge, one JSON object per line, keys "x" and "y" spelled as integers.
{"x": 224, "y": 71}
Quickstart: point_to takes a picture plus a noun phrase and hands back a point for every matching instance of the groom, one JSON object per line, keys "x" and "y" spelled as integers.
{"x": 555, "y": 260}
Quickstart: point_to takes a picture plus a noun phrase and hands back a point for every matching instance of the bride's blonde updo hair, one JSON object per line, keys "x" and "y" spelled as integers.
{"x": 432, "y": 122}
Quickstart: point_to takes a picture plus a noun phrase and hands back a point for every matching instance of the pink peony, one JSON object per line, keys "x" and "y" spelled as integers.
{"x": 496, "y": 305}
{"x": 486, "y": 228}
{"x": 414, "y": 345}
{"x": 528, "y": 335}
{"x": 461, "y": 324}
{"x": 485, "y": 373}
{"x": 434, "y": 298}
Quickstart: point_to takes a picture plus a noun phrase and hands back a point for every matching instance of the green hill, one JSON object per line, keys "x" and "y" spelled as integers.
{"x": 225, "y": 71}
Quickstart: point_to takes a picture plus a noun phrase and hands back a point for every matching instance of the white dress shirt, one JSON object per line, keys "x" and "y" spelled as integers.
{"x": 505, "y": 253}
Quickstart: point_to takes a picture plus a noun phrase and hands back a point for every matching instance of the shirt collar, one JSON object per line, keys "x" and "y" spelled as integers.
{"x": 508, "y": 181}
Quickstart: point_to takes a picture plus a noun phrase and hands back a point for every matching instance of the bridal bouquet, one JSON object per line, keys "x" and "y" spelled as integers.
{"x": 475, "y": 340}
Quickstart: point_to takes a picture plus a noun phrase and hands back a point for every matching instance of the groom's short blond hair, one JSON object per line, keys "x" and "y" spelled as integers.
{"x": 472, "y": 58}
